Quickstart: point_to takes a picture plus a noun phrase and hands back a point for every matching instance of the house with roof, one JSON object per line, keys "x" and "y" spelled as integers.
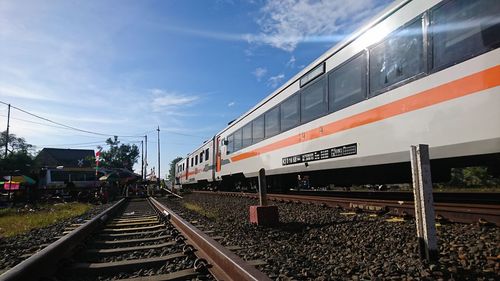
{"x": 68, "y": 158}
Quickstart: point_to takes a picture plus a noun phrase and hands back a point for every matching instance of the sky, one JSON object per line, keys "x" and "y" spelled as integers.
{"x": 125, "y": 67}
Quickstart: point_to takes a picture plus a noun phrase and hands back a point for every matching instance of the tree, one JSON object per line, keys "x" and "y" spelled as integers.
{"x": 19, "y": 153}
{"x": 118, "y": 155}
{"x": 15, "y": 145}
{"x": 171, "y": 172}
{"x": 473, "y": 177}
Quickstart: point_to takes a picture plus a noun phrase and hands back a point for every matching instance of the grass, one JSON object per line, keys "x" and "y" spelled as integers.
{"x": 14, "y": 221}
{"x": 198, "y": 209}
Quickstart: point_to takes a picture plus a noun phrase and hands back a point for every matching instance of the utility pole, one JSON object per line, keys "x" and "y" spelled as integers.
{"x": 159, "y": 171}
{"x": 142, "y": 159}
{"x": 146, "y": 158}
{"x": 7, "y": 135}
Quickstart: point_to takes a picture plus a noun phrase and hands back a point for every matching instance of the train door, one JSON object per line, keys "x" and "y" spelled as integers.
{"x": 187, "y": 168}
{"x": 214, "y": 157}
{"x": 218, "y": 155}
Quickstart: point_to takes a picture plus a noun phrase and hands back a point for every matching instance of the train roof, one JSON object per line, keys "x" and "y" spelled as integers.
{"x": 198, "y": 147}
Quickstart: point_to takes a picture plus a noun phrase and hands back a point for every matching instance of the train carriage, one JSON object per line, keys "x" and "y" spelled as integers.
{"x": 420, "y": 72}
{"x": 197, "y": 167}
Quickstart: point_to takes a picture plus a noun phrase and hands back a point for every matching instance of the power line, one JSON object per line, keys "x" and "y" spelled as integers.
{"x": 65, "y": 144}
{"x": 34, "y": 122}
{"x": 95, "y": 143}
{"x": 64, "y": 125}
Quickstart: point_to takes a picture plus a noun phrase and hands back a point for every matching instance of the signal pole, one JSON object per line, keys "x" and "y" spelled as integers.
{"x": 7, "y": 136}
{"x": 146, "y": 158}
{"x": 159, "y": 171}
{"x": 142, "y": 159}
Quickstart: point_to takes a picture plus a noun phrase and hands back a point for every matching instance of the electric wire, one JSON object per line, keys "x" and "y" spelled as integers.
{"x": 64, "y": 125}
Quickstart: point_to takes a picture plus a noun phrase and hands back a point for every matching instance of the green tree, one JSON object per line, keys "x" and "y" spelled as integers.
{"x": 118, "y": 155}
{"x": 19, "y": 153}
{"x": 472, "y": 177}
{"x": 171, "y": 172}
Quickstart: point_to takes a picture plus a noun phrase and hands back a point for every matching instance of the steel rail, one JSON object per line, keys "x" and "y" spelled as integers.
{"x": 455, "y": 212}
{"x": 46, "y": 262}
{"x": 225, "y": 265}
{"x": 172, "y": 193}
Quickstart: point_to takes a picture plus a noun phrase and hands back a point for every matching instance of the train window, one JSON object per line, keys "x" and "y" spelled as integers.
{"x": 201, "y": 157}
{"x": 247, "y": 135}
{"x": 237, "y": 140}
{"x": 206, "y": 154}
{"x": 290, "y": 113}
{"x": 313, "y": 101}
{"x": 192, "y": 162}
{"x": 462, "y": 29}
{"x": 272, "y": 122}
{"x": 397, "y": 58}
{"x": 258, "y": 129}
{"x": 196, "y": 160}
{"x": 347, "y": 83}
{"x": 230, "y": 144}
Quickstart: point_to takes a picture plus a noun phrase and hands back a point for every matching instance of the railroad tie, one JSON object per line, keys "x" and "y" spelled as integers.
{"x": 104, "y": 243}
{"x": 128, "y": 234}
{"x": 178, "y": 275}
{"x": 122, "y": 230}
{"x": 126, "y": 265}
{"x": 128, "y": 249}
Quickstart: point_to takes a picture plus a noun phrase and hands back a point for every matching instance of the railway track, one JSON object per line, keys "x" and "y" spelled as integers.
{"x": 135, "y": 239}
{"x": 455, "y": 212}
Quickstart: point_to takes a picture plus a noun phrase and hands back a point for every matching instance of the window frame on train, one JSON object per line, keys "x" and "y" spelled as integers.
{"x": 314, "y": 112}
{"x": 462, "y": 53}
{"x": 346, "y": 68}
{"x": 386, "y": 52}
{"x": 237, "y": 142}
{"x": 247, "y": 135}
{"x": 285, "y": 127}
{"x": 261, "y": 129}
{"x": 274, "y": 113}
{"x": 230, "y": 144}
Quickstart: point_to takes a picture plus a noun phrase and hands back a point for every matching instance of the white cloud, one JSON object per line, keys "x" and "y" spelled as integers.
{"x": 259, "y": 73}
{"x": 286, "y": 23}
{"x": 7, "y": 90}
{"x": 291, "y": 62}
{"x": 274, "y": 81}
{"x": 231, "y": 104}
{"x": 169, "y": 100}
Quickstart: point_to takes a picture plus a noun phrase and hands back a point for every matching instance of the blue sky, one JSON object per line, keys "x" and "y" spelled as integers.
{"x": 125, "y": 67}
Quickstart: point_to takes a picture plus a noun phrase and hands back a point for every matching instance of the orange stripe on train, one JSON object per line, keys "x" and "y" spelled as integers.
{"x": 483, "y": 80}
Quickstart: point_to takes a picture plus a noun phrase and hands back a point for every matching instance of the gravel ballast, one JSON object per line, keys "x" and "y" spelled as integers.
{"x": 314, "y": 242}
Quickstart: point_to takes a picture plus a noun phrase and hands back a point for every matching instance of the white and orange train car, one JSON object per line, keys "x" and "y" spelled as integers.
{"x": 422, "y": 71}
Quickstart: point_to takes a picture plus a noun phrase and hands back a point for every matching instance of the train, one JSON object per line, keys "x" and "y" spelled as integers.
{"x": 420, "y": 72}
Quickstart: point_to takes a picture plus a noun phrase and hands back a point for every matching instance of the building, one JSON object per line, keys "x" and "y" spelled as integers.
{"x": 59, "y": 166}
{"x": 68, "y": 158}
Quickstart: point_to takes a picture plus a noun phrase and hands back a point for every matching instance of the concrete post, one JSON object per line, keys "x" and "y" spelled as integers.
{"x": 262, "y": 187}
{"x": 263, "y": 214}
{"x": 424, "y": 202}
